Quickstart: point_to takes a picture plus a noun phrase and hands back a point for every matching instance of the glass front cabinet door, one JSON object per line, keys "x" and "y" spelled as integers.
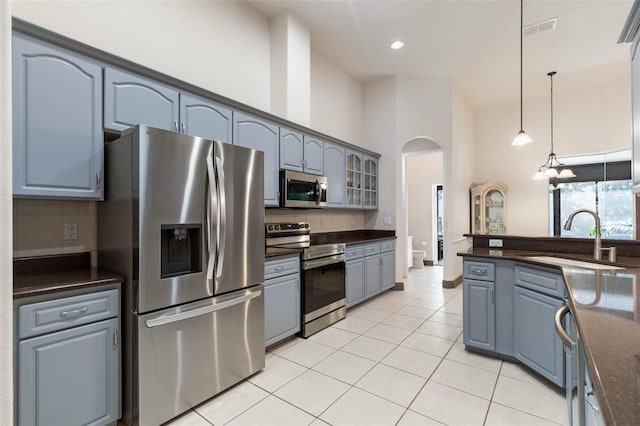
{"x": 488, "y": 208}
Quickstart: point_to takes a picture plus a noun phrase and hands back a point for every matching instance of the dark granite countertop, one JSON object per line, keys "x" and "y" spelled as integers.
{"x": 352, "y": 237}
{"x": 348, "y": 237}
{"x": 52, "y": 274}
{"x": 606, "y": 307}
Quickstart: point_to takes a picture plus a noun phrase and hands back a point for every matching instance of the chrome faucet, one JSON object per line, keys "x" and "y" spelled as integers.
{"x": 597, "y": 245}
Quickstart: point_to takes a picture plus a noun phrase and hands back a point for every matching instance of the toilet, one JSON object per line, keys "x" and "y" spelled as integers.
{"x": 418, "y": 259}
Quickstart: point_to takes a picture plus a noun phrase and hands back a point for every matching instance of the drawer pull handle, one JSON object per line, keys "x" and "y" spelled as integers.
{"x": 74, "y": 313}
{"x": 278, "y": 268}
{"x": 478, "y": 271}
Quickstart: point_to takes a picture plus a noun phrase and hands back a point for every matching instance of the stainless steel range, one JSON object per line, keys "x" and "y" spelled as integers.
{"x": 323, "y": 274}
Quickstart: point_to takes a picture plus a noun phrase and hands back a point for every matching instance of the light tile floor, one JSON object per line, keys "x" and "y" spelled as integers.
{"x": 397, "y": 359}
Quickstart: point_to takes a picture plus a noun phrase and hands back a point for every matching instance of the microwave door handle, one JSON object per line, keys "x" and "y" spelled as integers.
{"x": 317, "y": 193}
{"x": 211, "y": 199}
{"x": 222, "y": 216}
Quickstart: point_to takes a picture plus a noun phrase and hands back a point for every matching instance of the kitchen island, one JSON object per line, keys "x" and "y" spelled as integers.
{"x": 605, "y": 304}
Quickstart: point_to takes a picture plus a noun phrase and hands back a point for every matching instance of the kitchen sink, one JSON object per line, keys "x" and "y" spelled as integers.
{"x": 569, "y": 262}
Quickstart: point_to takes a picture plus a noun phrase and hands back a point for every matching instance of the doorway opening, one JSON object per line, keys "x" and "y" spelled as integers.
{"x": 425, "y": 206}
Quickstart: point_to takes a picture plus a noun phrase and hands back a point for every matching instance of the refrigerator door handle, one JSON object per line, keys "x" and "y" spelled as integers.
{"x": 222, "y": 216}
{"x": 202, "y": 310}
{"x": 211, "y": 195}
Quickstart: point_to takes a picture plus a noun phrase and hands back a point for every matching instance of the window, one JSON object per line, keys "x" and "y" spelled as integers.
{"x": 603, "y": 187}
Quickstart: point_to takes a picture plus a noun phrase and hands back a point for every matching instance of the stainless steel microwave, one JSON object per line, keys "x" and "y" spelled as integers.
{"x": 302, "y": 190}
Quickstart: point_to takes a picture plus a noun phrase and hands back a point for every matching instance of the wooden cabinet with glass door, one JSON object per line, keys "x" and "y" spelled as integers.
{"x": 488, "y": 208}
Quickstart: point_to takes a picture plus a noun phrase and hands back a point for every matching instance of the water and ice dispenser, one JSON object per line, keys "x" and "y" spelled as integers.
{"x": 181, "y": 250}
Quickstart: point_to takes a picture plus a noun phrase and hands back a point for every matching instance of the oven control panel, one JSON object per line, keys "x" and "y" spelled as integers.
{"x": 297, "y": 228}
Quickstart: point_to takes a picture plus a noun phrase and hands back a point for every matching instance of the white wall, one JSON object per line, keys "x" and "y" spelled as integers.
{"x": 587, "y": 121}
{"x": 290, "y": 69}
{"x": 400, "y": 109}
{"x": 221, "y": 46}
{"x": 336, "y": 101}
{"x": 6, "y": 265}
{"x": 423, "y": 171}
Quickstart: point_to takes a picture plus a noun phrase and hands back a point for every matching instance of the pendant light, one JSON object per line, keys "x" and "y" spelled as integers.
{"x": 549, "y": 170}
{"x": 522, "y": 137}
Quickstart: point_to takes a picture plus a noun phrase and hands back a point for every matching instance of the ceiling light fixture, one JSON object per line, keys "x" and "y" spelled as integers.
{"x": 397, "y": 45}
{"x": 521, "y": 138}
{"x": 549, "y": 170}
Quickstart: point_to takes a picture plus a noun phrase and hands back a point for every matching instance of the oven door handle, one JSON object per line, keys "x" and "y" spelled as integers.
{"x": 310, "y": 264}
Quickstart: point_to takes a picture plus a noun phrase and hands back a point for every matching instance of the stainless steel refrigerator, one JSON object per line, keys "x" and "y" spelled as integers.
{"x": 183, "y": 222}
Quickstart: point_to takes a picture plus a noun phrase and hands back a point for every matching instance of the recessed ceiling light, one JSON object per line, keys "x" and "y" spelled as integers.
{"x": 397, "y": 45}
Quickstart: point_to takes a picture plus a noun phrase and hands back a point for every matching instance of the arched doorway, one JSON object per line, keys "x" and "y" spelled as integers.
{"x": 422, "y": 174}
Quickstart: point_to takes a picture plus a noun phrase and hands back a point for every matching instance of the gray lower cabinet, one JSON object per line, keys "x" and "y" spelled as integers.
{"x": 336, "y": 173}
{"x": 281, "y": 299}
{"x": 57, "y": 122}
{"x": 69, "y": 361}
{"x": 537, "y": 344}
{"x": 387, "y": 264}
{"x": 509, "y": 309}
{"x": 373, "y": 284}
{"x": 479, "y": 314}
{"x": 253, "y": 132}
{"x": 355, "y": 274}
{"x": 130, "y": 100}
{"x": 379, "y": 267}
{"x": 71, "y": 377}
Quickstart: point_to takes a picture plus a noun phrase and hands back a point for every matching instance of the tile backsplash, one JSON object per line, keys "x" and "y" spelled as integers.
{"x": 321, "y": 220}
{"x": 38, "y": 227}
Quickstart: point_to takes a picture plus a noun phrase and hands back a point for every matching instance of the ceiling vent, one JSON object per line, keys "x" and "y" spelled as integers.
{"x": 538, "y": 27}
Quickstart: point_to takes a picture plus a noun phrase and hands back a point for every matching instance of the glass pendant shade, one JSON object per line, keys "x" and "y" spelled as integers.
{"x": 522, "y": 138}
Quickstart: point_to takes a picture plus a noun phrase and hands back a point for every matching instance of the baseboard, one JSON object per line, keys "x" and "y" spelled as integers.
{"x": 452, "y": 284}
{"x": 426, "y": 262}
{"x": 398, "y": 286}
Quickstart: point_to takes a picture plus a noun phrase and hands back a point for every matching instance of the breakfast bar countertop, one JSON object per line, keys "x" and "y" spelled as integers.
{"x": 605, "y": 304}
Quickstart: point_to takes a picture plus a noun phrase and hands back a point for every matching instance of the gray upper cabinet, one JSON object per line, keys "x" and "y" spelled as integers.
{"x": 336, "y": 173}
{"x": 354, "y": 178}
{"x": 130, "y": 99}
{"x": 313, "y": 155}
{"x": 57, "y": 122}
{"x": 204, "y": 118}
{"x": 300, "y": 152}
{"x": 370, "y": 177}
{"x": 252, "y": 132}
{"x": 291, "y": 150}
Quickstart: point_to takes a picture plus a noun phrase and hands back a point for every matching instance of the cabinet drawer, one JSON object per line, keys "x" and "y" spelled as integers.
{"x": 355, "y": 252}
{"x": 540, "y": 280}
{"x": 371, "y": 248}
{"x": 280, "y": 267}
{"x": 58, "y": 314}
{"x": 388, "y": 245}
{"x": 482, "y": 271}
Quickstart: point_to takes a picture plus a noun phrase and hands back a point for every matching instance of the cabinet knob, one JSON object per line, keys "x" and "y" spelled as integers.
{"x": 98, "y": 180}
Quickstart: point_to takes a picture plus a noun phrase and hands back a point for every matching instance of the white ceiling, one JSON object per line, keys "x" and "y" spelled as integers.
{"x": 476, "y": 42}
